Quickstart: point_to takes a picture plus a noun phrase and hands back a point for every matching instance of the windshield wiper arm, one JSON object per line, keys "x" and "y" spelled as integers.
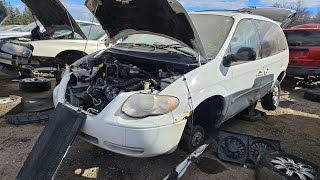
{"x": 137, "y": 44}
{"x": 176, "y": 47}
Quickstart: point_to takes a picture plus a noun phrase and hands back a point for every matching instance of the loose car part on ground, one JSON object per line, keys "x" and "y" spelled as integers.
{"x": 35, "y": 84}
{"x": 243, "y": 149}
{"x": 312, "y": 95}
{"x": 28, "y": 118}
{"x": 11, "y": 105}
{"x": 53, "y": 144}
{"x": 279, "y": 165}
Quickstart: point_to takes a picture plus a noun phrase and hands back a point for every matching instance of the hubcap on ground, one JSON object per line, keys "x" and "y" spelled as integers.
{"x": 197, "y": 138}
{"x": 294, "y": 169}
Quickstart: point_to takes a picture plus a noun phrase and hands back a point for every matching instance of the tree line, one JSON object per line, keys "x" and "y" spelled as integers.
{"x": 303, "y": 16}
{"x": 15, "y": 16}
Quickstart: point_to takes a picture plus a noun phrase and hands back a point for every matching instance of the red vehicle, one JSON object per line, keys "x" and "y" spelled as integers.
{"x": 304, "y": 45}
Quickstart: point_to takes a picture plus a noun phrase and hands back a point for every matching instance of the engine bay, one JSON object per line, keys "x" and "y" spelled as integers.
{"x": 97, "y": 82}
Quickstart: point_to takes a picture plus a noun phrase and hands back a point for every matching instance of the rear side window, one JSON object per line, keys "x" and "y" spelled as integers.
{"x": 303, "y": 38}
{"x": 272, "y": 38}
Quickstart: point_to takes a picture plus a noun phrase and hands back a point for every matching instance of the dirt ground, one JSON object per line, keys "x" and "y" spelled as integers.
{"x": 296, "y": 124}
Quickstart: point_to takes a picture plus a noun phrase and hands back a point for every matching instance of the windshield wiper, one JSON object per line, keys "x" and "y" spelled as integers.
{"x": 137, "y": 44}
{"x": 154, "y": 46}
{"x": 176, "y": 47}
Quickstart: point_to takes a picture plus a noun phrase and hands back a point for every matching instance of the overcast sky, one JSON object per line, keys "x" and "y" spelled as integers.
{"x": 78, "y": 10}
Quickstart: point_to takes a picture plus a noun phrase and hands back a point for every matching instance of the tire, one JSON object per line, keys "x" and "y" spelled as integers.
{"x": 266, "y": 167}
{"x": 305, "y": 85}
{"x": 312, "y": 96}
{"x": 271, "y": 100}
{"x": 192, "y": 138}
{"x": 35, "y": 84}
{"x": 11, "y": 105}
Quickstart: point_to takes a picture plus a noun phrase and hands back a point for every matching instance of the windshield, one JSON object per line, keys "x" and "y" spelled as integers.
{"x": 213, "y": 31}
{"x": 92, "y": 33}
{"x": 95, "y": 33}
{"x": 30, "y": 27}
{"x": 303, "y": 38}
{"x": 10, "y": 27}
{"x": 157, "y": 41}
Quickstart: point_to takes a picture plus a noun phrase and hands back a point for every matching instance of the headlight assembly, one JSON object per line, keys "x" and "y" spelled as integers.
{"x": 143, "y": 105}
{"x": 16, "y": 50}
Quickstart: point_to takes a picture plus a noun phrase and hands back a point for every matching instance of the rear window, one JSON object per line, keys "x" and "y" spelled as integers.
{"x": 303, "y": 38}
{"x": 213, "y": 31}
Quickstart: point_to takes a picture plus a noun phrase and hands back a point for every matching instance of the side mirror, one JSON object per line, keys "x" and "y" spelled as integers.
{"x": 227, "y": 60}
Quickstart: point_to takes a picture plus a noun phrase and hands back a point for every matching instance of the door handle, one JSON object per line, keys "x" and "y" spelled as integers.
{"x": 260, "y": 74}
{"x": 267, "y": 70}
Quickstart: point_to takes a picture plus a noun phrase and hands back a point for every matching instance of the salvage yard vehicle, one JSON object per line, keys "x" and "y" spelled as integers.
{"x": 304, "y": 45}
{"x": 22, "y": 32}
{"x": 170, "y": 77}
{"x": 64, "y": 41}
{"x": 11, "y": 28}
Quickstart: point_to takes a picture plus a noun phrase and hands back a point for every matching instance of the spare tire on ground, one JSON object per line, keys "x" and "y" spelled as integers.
{"x": 10, "y": 105}
{"x": 312, "y": 96}
{"x": 35, "y": 84}
{"x": 283, "y": 166}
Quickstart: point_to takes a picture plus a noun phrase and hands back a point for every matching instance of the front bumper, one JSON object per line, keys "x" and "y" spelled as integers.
{"x": 113, "y": 131}
{"x": 303, "y": 71}
{"x": 147, "y": 142}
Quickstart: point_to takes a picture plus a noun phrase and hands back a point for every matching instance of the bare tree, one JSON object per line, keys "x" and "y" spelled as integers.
{"x": 303, "y": 15}
{"x": 316, "y": 19}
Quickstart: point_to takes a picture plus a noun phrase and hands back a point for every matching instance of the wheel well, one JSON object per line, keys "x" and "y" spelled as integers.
{"x": 69, "y": 56}
{"x": 208, "y": 113}
{"x": 281, "y": 76}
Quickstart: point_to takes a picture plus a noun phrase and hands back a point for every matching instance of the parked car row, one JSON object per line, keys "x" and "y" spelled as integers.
{"x": 51, "y": 42}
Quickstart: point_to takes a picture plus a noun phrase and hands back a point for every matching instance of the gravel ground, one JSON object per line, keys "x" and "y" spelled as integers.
{"x": 296, "y": 124}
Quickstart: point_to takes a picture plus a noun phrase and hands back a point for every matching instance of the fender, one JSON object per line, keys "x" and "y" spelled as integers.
{"x": 216, "y": 90}
{"x": 51, "y": 48}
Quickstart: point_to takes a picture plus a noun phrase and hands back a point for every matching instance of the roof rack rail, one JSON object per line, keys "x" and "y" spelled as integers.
{"x": 242, "y": 10}
{"x": 216, "y": 10}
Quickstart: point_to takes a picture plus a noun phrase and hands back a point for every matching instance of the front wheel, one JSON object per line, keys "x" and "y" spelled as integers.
{"x": 192, "y": 138}
{"x": 272, "y": 99}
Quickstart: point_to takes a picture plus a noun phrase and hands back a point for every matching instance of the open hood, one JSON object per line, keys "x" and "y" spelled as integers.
{"x": 166, "y": 17}
{"x": 53, "y": 15}
{"x": 282, "y": 16}
{"x": 3, "y": 13}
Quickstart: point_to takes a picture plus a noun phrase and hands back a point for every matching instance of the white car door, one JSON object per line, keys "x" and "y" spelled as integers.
{"x": 246, "y": 67}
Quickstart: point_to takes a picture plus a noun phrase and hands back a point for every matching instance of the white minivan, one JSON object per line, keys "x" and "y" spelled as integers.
{"x": 170, "y": 77}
